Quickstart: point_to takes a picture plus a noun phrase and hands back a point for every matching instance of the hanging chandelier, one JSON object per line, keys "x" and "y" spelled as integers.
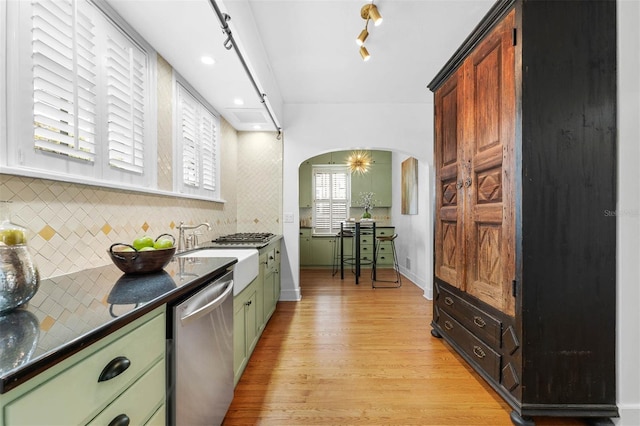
{"x": 359, "y": 162}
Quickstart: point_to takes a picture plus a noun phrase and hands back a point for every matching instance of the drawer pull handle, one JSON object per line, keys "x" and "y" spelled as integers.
{"x": 120, "y": 420}
{"x": 448, "y": 301}
{"x": 448, "y": 325}
{"x": 477, "y": 350}
{"x": 115, "y": 367}
{"x": 479, "y": 322}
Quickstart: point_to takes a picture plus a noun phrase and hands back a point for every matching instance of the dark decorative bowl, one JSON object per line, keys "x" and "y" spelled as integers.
{"x": 132, "y": 261}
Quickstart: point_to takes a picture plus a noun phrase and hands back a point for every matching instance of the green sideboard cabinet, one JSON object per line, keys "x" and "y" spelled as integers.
{"x": 318, "y": 251}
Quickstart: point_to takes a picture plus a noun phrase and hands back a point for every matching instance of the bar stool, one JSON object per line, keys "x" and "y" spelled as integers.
{"x": 374, "y": 279}
{"x": 336, "y": 252}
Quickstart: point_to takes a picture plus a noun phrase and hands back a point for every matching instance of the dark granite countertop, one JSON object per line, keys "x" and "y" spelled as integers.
{"x": 72, "y": 311}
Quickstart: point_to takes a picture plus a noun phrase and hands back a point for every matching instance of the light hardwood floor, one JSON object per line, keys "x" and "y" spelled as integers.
{"x": 350, "y": 354}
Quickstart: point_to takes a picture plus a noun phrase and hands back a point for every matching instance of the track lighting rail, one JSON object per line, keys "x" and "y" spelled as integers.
{"x": 230, "y": 43}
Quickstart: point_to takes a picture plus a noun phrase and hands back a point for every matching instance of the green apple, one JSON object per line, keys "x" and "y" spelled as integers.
{"x": 163, "y": 243}
{"x": 147, "y": 249}
{"x": 12, "y": 237}
{"x": 140, "y": 243}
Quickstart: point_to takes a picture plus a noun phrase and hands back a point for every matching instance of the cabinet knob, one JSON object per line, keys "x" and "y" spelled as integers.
{"x": 448, "y": 301}
{"x": 467, "y": 182}
{"x": 459, "y": 184}
{"x": 120, "y": 420}
{"x": 115, "y": 367}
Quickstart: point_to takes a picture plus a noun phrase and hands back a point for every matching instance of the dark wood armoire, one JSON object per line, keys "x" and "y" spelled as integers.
{"x": 525, "y": 229}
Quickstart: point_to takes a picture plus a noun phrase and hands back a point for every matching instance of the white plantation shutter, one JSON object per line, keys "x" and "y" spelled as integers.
{"x": 126, "y": 82}
{"x": 64, "y": 79}
{"x": 208, "y": 137}
{"x": 331, "y": 190}
{"x": 81, "y": 95}
{"x": 197, "y": 145}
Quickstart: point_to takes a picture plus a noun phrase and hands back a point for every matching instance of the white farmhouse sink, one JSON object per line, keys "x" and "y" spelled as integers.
{"x": 245, "y": 271}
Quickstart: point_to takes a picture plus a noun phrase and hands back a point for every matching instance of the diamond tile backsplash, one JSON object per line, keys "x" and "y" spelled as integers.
{"x": 72, "y": 226}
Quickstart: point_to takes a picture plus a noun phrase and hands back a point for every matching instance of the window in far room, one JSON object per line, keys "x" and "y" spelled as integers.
{"x": 331, "y": 198}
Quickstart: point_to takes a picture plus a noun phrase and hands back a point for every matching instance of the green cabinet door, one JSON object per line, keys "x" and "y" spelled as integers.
{"x": 245, "y": 329}
{"x": 305, "y": 197}
{"x": 381, "y": 184}
{"x": 376, "y": 180}
{"x": 322, "y": 251}
{"x": 305, "y": 247}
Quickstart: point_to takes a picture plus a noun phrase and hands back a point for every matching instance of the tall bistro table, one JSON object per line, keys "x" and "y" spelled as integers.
{"x": 358, "y": 226}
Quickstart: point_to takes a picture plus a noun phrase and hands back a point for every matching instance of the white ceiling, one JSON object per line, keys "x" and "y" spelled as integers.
{"x": 304, "y": 51}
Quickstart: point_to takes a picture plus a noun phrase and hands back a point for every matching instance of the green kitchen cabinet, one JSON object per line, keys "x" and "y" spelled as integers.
{"x": 254, "y": 306}
{"x": 270, "y": 263}
{"x": 305, "y": 194}
{"x": 322, "y": 251}
{"x": 376, "y": 180}
{"x": 245, "y": 328}
{"x": 305, "y": 246}
{"x": 69, "y": 392}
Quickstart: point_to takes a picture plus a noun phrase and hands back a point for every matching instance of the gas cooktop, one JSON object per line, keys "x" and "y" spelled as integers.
{"x": 245, "y": 237}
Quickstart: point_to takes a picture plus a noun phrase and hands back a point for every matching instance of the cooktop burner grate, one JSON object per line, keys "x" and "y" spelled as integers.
{"x": 245, "y": 237}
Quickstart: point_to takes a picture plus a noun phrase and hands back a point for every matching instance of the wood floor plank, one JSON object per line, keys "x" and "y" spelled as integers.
{"x": 349, "y": 354}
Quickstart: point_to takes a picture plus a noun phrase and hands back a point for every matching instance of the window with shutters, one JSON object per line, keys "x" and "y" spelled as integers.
{"x": 331, "y": 198}
{"x": 80, "y": 109}
{"x": 196, "y": 146}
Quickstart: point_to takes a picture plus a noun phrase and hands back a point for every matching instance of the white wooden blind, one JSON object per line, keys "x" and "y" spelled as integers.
{"x": 197, "y": 136}
{"x": 331, "y": 190}
{"x": 64, "y": 79}
{"x": 126, "y": 82}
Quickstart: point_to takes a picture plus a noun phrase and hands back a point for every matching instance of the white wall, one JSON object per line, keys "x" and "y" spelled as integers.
{"x": 628, "y": 212}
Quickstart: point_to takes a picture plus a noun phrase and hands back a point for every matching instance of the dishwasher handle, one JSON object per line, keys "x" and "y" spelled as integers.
{"x": 200, "y": 311}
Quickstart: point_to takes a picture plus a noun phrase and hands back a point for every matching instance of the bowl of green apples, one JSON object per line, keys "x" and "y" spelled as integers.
{"x": 144, "y": 255}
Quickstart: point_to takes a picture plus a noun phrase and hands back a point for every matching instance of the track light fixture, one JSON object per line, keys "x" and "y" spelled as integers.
{"x": 368, "y": 12}
{"x": 364, "y": 53}
{"x": 362, "y": 37}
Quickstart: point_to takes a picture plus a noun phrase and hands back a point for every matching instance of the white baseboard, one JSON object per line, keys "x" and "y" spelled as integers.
{"x": 629, "y": 415}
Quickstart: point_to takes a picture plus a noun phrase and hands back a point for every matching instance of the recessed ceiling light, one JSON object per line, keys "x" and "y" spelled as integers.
{"x": 207, "y": 60}
{"x": 238, "y": 101}
{"x": 257, "y": 127}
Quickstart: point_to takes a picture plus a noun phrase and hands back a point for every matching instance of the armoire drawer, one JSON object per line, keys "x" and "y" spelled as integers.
{"x": 476, "y": 349}
{"x": 473, "y": 318}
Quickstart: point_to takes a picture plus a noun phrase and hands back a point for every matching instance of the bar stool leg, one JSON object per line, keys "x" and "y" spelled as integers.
{"x": 398, "y": 280}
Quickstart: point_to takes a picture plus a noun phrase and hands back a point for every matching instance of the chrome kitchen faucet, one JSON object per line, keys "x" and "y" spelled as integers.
{"x": 191, "y": 241}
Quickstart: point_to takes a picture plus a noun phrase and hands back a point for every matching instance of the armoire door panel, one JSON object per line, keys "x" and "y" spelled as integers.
{"x": 489, "y": 209}
{"x": 449, "y": 105}
{"x": 449, "y": 250}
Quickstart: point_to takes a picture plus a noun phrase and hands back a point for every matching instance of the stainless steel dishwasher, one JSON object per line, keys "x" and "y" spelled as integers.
{"x": 201, "y": 355}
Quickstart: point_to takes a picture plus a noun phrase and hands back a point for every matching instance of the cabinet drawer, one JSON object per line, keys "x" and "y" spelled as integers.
{"x": 385, "y": 232}
{"x": 476, "y": 349}
{"x": 479, "y": 322}
{"x": 139, "y": 402}
{"x": 75, "y": 395}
